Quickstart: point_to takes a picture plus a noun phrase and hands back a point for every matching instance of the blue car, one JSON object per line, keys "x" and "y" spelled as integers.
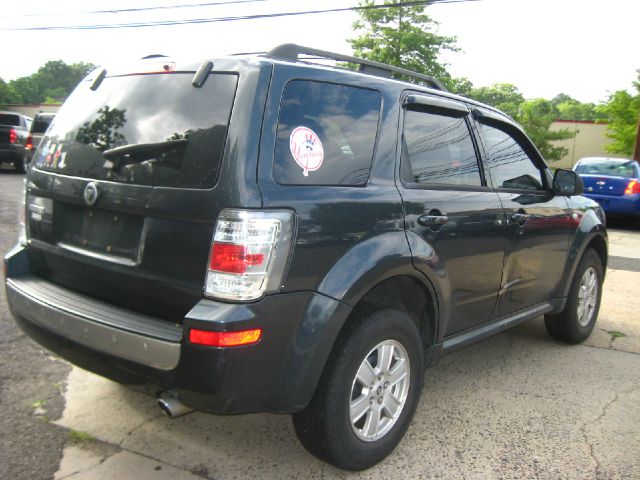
{"x": 612, "y": 182}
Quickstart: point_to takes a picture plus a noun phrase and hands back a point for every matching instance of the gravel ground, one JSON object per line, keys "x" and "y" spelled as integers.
{"x": 31, "y": 381}
{"x": 518, "y": 405}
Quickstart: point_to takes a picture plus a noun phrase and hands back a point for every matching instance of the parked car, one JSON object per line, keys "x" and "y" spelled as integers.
{"x": 14, "y": 129}
{"x": 265, "y": 234}
{"x": 612, "y": 182}
{"x": 39, "y": 126}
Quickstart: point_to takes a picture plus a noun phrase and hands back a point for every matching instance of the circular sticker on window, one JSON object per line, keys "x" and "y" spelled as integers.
{"x": 306, "y": 149}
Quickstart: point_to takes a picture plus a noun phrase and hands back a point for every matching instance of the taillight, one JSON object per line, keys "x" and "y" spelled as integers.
{"x": 633, "y": 187}
{"x": 249, "y": 253}
{"x": 13, "y": 136}
{"x": 29, "y": 144}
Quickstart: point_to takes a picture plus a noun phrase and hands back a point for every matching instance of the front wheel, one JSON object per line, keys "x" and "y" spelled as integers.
{"x": 575, "y": 323}
{"x": 367, "y": 394}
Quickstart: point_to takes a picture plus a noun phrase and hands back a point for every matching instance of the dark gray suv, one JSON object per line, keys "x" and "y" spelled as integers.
{"x": 263, "y": 233}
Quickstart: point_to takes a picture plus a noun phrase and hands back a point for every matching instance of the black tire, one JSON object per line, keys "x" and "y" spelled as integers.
{"x": 324, "y": 428}
{"x": 568, "y": 326}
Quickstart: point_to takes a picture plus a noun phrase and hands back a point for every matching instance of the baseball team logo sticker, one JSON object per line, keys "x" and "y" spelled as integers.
{"x": 306, "y": 149}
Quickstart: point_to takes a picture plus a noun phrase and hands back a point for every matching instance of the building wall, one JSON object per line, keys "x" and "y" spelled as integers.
{"x": 588, "y": 142}
{"x": 31, "y": 110}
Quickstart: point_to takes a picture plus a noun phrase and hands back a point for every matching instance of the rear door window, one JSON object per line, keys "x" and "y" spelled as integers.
{"x": 326, "y": 134}
{"x": 154, "y": 129}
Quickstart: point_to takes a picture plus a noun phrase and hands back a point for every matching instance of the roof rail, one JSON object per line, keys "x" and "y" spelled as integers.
{"x": 290, "y": 52}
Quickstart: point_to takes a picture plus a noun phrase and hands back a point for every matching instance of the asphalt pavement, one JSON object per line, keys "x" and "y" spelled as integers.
{"x": 518, "y": 405}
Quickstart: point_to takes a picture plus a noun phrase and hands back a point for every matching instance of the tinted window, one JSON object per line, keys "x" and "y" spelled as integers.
{"x": 326, "y": 134}
{"x": 607, "y": 167}
{"x": 174, "y": 133}
{"x": 41, "y": 123}
{"x": 437, "y": 149}
{"x": 10, "y": 120}
{"x": 509, "y": 164}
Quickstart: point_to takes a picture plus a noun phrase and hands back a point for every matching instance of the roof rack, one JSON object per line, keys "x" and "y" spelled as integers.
{"x": 291, "y": 51}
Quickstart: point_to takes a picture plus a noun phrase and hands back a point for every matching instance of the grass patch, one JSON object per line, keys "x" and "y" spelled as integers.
{"x": 616, "y": 333}
{"x": 79, "y": 436}
{"x": 38, "y": 404}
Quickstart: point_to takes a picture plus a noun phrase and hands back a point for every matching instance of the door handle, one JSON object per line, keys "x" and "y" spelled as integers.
{"x": 520, "y": 218}
{"x": 429, "y": 220}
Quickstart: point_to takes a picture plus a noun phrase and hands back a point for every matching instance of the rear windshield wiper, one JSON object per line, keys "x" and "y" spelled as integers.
{"x": 143, "y": 148}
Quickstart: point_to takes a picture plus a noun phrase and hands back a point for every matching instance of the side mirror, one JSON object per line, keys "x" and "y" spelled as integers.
{"x": 567, "y": 183}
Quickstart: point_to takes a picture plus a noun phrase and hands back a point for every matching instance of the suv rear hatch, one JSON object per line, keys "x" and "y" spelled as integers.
{"x": 122, "y": 202}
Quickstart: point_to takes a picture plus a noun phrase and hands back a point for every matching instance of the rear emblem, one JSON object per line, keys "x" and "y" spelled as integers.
{"x": 90, "y": 194}
{"x": 601, "y": 183}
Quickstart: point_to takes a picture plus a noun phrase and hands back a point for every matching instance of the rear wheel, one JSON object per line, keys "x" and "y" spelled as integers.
{"x": 367, "y": 394}
{"x": 575, "y": 323}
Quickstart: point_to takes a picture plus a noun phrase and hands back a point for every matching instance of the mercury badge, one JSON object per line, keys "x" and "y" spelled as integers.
{"x": 90, "y": 194}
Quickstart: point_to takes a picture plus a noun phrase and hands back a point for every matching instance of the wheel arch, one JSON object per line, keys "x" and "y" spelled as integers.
{"x": 591, "y": 234}
{"x": 379, "y": 273}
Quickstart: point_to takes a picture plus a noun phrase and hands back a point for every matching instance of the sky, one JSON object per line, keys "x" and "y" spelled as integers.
{"x": 584, "y": 48}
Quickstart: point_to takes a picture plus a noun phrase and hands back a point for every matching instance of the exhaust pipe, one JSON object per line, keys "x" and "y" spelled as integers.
{"x": 171, "y": 405}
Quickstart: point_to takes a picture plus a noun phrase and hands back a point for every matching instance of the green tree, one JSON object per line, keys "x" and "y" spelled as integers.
{"x": 404, "y": 37}
{"x": 623, "y": 112}
{"x": 7, "y": 95}
{"x": 504, "y": 96}
{"x": 571, "y": 109}
{"x": 53, "y": 82}
{"x": 535, "y": 117}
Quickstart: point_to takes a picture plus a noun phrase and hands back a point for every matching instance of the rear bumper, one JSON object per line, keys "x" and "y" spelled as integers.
{"x": 11, "y": 153}
{"x": 278, "y": 374}
{"x": 93, "y": 324}
{"x": 622, "y": 205}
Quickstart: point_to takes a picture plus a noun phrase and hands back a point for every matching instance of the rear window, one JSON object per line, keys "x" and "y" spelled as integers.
{"x": 41, "y": 123}
{"x": 9, "y": 120}
{"x": 154, "y": 130}
{"x": 326, "y": 134}
{"x": 607, "y": 167}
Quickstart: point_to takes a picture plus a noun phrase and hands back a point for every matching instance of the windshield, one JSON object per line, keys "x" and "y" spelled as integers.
{"x": 608, "y": 167}
{"x": 9, "y": 119}
{"x": 153, "y": 129}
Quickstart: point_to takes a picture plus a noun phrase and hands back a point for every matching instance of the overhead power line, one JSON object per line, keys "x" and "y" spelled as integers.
{"x": 130, "y": 10}
{"x": 230, "y": 18}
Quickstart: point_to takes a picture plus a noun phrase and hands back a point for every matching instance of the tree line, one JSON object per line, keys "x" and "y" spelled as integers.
{"x": 52, "y": 83}
{"x": 407, "y": 37}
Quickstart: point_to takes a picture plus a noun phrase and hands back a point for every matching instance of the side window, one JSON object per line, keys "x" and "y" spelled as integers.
{"x": 326, "y": 134}
{"x": 510, "y": 166}
{"x": 437, "y": 149}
